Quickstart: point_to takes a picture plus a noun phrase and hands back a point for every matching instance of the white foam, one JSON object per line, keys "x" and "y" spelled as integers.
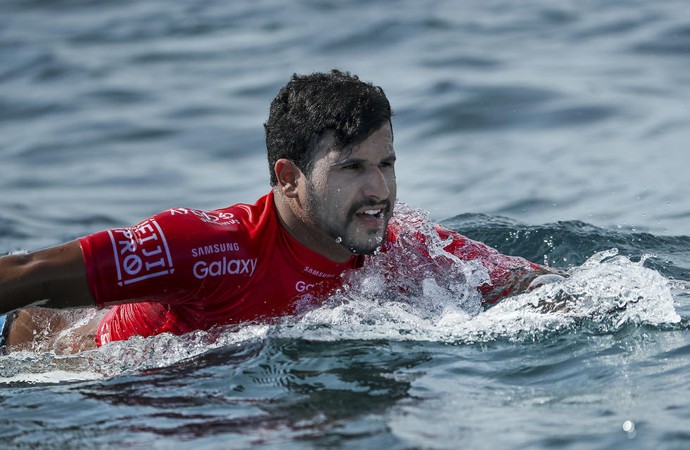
{"x": 406, "y": 294}
{"x": 608, "y": 291}
{"x": 121, "y": 357}
{"x": 55, "y": 376}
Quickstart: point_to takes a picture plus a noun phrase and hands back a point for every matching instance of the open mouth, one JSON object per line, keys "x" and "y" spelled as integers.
{"x": 373, "y": 213}
{"x": 373, "y": 216}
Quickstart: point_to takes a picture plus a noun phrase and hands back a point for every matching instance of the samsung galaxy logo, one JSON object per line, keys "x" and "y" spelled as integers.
{"x": 318, "y": 273}
{"x": 301, "y": 286}
{"x": 225, "y": 266}
{"x": 215, "y": 248}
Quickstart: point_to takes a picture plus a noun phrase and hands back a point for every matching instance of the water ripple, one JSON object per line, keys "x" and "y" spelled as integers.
{"x": 674, "y": 41}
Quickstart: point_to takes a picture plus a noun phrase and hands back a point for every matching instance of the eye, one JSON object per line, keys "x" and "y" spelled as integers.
{"x": 352, "y": 166}
{"x": 387, "y": 164}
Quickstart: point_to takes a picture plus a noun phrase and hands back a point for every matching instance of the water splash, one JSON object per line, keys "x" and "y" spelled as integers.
{"x": 409, "y": 277}
{"x": 134, "y": 355}
{"x": 605, "y": 293}
{"x": 407, "y": 292}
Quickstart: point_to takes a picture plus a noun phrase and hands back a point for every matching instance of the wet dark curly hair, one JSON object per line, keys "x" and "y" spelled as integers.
{"x": 310, "y": 105}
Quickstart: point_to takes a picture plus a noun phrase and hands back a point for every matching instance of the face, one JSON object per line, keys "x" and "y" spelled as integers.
{"x": 350, "y": 193}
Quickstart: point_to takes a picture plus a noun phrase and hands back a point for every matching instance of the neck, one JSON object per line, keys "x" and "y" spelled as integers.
{"x": 291, "y": 217}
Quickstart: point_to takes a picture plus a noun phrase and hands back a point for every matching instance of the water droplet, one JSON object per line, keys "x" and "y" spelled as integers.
{"x": 628, "y": 426}
{"x": 338, "y": 240}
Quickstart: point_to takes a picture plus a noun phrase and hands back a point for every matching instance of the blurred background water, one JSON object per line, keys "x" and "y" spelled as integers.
{"x": 549, "y": 130}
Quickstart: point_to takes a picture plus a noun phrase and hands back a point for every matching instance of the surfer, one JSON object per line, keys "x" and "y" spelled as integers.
{"x": 331, "y": 157}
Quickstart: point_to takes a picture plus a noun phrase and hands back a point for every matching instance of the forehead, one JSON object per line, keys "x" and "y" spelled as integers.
{"x": 378, "y": 145}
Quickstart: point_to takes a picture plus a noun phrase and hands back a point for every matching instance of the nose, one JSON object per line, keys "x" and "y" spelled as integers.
{"x": 377, "y": 185}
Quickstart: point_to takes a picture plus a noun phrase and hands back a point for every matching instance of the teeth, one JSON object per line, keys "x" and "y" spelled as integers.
{"x": 371, "y": 212}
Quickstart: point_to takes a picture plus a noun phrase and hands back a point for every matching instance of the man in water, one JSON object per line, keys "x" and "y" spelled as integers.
{"x": 329, "y": 140}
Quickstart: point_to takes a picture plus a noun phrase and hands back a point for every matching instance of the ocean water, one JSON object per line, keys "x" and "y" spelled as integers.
{"x": 556, "y": 131}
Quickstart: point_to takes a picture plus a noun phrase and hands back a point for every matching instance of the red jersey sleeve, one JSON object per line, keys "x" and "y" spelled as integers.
{"x": 154, "y": 260}
{"x": 507, "y": 274}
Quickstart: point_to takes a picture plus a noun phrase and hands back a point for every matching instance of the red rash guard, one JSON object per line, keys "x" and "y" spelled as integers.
{"x": 184, "y": 270}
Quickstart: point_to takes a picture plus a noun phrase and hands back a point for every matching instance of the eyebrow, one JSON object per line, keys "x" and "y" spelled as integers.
{"x": 347, "y": 161}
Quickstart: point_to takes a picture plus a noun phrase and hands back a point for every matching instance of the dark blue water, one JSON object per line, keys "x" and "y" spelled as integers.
{"x": 555, "y": 131}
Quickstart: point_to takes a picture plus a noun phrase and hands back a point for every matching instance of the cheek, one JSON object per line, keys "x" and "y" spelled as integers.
{"x": 336, "y": 200}
{"x": 336, "y": 193}
{"x": 392, "y": 184}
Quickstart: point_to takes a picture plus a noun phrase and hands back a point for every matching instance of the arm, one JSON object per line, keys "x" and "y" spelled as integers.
{"x": 518, "y": 280}
{"x": 509, "y": 275}
{"x": 54, "y": 277}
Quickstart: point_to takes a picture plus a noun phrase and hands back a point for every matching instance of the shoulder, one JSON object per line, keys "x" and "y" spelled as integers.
{"x": 232, "y": 218}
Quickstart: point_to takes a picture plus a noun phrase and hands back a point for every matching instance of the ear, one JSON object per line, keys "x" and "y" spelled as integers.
{"x": 288, "y": 175}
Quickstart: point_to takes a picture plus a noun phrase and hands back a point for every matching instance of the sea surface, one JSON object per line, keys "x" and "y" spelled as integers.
{"x": 557, "y": 131}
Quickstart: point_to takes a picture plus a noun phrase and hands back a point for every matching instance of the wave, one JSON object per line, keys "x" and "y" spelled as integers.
{"x": 605, "y": 293}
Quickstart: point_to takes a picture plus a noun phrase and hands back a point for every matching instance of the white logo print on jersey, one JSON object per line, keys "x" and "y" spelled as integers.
{"x": 140, "y": 252}
{"x": 225, "y": 266}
